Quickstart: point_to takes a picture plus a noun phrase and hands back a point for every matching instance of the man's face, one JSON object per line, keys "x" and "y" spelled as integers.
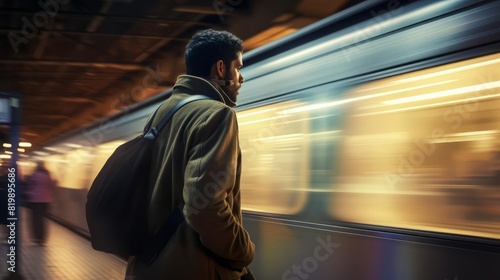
{"x": 233, "y": 74}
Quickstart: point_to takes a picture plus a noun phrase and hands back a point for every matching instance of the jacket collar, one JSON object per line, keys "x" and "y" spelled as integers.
{"x": 196, "y": 85}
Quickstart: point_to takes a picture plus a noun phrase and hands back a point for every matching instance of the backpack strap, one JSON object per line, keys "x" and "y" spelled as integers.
{"x": 154, "y": 131}
{"x": 168, "y": 228}
{"x": 160, "y": 239}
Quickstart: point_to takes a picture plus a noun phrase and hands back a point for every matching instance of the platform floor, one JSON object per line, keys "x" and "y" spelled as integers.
{"x": 66, "y": 256}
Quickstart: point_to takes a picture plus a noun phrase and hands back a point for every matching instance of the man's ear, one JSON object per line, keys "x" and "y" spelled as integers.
{"x": 220, "y": 67}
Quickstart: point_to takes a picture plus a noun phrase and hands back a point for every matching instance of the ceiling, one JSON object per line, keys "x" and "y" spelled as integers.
{"x": 75, "y": 62}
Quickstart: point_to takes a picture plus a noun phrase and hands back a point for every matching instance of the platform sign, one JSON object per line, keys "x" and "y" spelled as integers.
{"x": 5, "y": 113}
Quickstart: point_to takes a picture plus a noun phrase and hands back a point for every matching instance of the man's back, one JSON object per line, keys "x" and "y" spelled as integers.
{"x": 197, "y": 163}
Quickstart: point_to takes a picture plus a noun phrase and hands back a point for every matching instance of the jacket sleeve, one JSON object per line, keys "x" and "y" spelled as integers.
{"x": 210, "y": 177}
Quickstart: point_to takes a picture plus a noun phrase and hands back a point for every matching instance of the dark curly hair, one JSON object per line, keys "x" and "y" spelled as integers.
{"x": 207, "y": 47}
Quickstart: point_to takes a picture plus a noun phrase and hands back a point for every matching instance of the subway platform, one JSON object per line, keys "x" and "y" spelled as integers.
{"x": 66, "y": 255}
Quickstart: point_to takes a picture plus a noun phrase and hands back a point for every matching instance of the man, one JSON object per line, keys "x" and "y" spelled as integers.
{"x": 198, "y": 164}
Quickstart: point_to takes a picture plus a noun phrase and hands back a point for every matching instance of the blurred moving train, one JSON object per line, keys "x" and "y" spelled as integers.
{"x": 370, "y": 140}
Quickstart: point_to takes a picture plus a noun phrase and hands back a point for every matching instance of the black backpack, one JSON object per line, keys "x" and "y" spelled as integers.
{"x": 117, "y": 201}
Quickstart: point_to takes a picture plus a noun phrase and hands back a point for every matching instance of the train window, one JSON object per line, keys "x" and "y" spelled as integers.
{"x": 101, "y": 155}
{"x": 26, "y": 168}
{"x": 275, "y": 151}
{"x": 422, "y": 151}
{"x": 70, "y": 169}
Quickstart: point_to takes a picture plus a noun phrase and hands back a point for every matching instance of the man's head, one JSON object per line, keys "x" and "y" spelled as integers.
{"x": 216, "y": 55}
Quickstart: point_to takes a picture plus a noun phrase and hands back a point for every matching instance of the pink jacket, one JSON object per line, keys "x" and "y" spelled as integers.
{"x": 40, "y": 187}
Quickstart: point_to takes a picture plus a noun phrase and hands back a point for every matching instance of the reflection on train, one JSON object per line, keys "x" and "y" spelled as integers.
{"x": 374, "y": 139}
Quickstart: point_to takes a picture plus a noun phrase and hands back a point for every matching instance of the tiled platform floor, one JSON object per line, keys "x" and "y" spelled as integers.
{"x": 66, "y": 256}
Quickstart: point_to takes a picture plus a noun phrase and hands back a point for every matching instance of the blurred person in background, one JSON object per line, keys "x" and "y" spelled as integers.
{"x": 39, "y": 188}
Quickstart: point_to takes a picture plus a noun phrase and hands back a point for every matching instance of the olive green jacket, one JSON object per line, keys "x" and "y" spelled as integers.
{"x": 197, "y": 162}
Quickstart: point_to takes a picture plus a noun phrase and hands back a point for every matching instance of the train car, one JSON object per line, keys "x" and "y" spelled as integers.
{"x": 370, "y": 142}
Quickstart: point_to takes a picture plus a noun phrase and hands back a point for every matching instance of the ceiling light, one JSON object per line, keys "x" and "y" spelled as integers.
{"x": 25, "y": 144}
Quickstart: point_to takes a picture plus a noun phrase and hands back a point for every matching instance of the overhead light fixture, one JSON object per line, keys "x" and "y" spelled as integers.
{"x": 21, "y": 144}
{"x": 25, "y": 144}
